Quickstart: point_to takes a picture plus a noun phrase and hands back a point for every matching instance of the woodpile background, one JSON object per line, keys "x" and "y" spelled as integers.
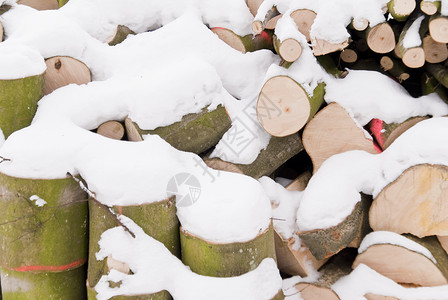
{"x": 304, "y": 136}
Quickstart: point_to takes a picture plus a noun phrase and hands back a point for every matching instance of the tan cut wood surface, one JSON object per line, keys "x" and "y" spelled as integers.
{"x": 438, "y": 29}
{"x": 333, "y": 131}
{"x": 416, "y": 203}
{"x": 40, "y": 4}
{"x": 434, "y": 52}
{"x": 381, "y": 38}
{"x": 111, "y": 129}
{"x": 64, "y": 70}
{"x": 304, "y": 19}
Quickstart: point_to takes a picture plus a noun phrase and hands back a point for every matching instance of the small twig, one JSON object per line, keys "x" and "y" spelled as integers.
{"x": 106, "y": 208}
{"x": 277, "y": 219}
{"x": 3, "y": 159}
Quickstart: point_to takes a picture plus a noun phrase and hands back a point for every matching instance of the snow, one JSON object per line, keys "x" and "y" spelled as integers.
{"x": 347, "y": 174}
{"x": 444, "y": 8}
{"x": 39, "y": 202}
{"x": 364, "y": 280}
{"x": 155, "y": 268}
{"x": 392, "y": 238}
{"x": 412, "y": 37}
{"x": 20, "y": 62}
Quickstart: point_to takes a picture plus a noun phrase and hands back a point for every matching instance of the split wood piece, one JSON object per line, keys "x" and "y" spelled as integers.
{"x": 332, "y": 271}
{"x": 48, "y": 218}
{"x": 430, "y": 7}
{"x": 258, "y": 26}
{"x": 111, "y": 129}
{"x": 162, "y": 295}
{"x": 406, "y": 266}
{"x": 359, "y": 24}
{"x": 121, "y": 33}
{"x": 381, "y": 38}
{"x": 304, "y": 19}
{"x": 40, "y": 4}
{"x": 434, "y": 52}
{"x": 289, "y": 49}
{"x": 438, "y": 28}
{"x": 443, "y": 240}
{"x": 18, "y": 102}
{"x": 348, "y": 56}
{"x": 68, "y": 285}
{"x": 439, "y": 72}
{"x": 278, "y": 151}
{"x": 290, "y": 260}
{"x": 194, "y": 133}
{"x": 226, "y": 260}
{"x": 253, "y": 6}
{"x": 333, "y": 131}
{"x": 324, "y": 243}
{"x": 401, "y": 9}
{"x": 157, "y": 220}
{"x": 322, "y": 47}
{"x": 64, "y": 70}
{"x": 413, "y": 57}
{"x": 284, "y": 107}
{"x": 395, "y": 68}
{"x": 414, "y": 203}
{"x": 386, "y": 133}
{"x": 431, "y": 85}
{"x": 248, "y": 43}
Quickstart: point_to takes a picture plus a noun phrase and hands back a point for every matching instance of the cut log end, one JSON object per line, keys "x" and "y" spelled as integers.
{"x": 40, "y": 4}
{"x": 304, "y": 19}
{"x": 132, "y": 131}
{"x": 283, "y": 106}
{"x": 381, "y": 38}
{"x": 423, "y": 189}
{"x": 273, "y": 22}
{"x": 434, "y": 52}
{"x": 386, "y": 63}
{"x": 401, "y": 9}
{"x": 322, "y": 47}
{"x": 309, "y": 291}
{"x": 360, "y": 24}
{"x": 253, "y": 6}
{"x": 111, "y": 129}
{"x": 428, "y": 7}
{"x": 443, "y": 240}
{"x": 64, "y": 70}
{"x": 438, "y": 29}
{"x": 1, "y": 32}
{"x": 348, "y": 56}
{"x": 414, "y": 57}
{"x": 290, "y": 50}
{"x": 230, "y": 38}
{"x": 257, "y": 27}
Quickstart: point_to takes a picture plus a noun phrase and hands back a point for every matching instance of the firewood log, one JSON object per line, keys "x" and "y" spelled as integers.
{"x": 395, "y": 68}
{"x": 49, "y": 285}
{"x": 64, "y": 70}
{"x": 1, "y": 32}
{"x": 289, "y": 49}
{"x": 401, "y": 9}
{"x": 348, "y": 56}
{"x": 381, "y": 38}
{"x": 304, "y": 19}
{"x": 322, "y": 47}
{"x": 407, "y": 266}
{"x": 439, "y": 72}
{"x": 386, "y": 133}
{"x": 46, "y": 217}
{"x": 111, "y": 129}
{"x": 430, "y": 7}
{"x": 226, "y": 260}
{"x": 438, "y": 28}
{"x": 18, "y": 102}
{"x": 332, "y": 271}
{"x": 278, "y": 151}
{"x": 259, "y": 25}
{"x": 40, "y": 4}
{"x": 443, "y": 240}
{"x": 359, "y": 24}
{"x": 253, "y": 6}
{"x": 434, "y": 52}
{"x": 412, "y": 57}
{"x": 121, "y": 33}
{"x": 158, "y": 220}
{"x": 431, "y": 85}
{"x": 290, "y": 260}
{"x": 284, "y": 107}
{"x": 413, "y": 203}
{"x": 324, "y": 243}
{"x": 194, "y": 133}
{"x": 371, "y": 296}
{"x": 333, "y": 131}
{"x": 248, "y": 43}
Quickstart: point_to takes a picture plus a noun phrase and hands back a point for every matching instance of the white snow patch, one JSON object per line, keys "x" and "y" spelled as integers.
{"x": 19, "y": 62}
{"x": 412, "y": 37}
{"x": 39, "y": 202}
{"x": 392, "y": 238}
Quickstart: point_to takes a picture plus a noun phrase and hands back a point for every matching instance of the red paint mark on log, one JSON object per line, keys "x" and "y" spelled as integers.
{"x": 72, "y": 265}
{"x": 266, "y": 37}
{"x": 376, "y": 127}
{"x": 120, "y": 210}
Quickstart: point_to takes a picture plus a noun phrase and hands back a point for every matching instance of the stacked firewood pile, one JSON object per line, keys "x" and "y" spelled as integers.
{"x": 402, "y": 233}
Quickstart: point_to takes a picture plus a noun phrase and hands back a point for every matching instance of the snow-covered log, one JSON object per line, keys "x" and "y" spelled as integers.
{"x": 111, "y": 129}
{"x": 247, "y": 43}
{"x": 120, "y": 35}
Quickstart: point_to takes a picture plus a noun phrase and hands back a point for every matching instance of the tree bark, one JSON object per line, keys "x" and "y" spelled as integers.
{"x": 244, "y": 44}
{"x": 120, "y": 35}
{"x": 40, "y": 4}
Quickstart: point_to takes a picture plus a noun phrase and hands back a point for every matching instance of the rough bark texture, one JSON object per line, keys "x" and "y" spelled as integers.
{"x": 42, "y": 239}
{"x": 278, "y": 151}
{"x": 247, "y": 43}
{"x": 194, "y": 133}
{"x": 18, "y": 102}
{"x": 158, "y": 220}
{"x": 226, "y": 260}
{"x": 68, "y": 285}
{"x": 439, "y": 72}
{"x": 324, "y": 243}
{"x": 163, "y": 295}
{"x": 120, "y": 35}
